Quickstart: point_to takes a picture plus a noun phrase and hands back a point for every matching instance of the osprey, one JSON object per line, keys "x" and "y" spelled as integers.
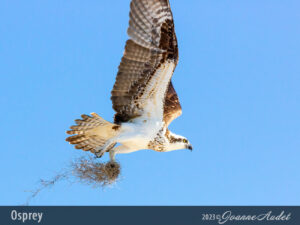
{"x": 143, "y": 96}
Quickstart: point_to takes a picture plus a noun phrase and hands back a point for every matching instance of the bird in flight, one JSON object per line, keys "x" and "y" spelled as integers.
{"x": 143, "y": 95}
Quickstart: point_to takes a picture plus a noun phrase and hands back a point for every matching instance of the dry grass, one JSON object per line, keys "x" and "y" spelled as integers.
{"x": 86, "y": 170}
{"x": 94, "y": 173}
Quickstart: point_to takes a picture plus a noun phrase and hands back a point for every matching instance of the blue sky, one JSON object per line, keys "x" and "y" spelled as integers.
{"x": 238, "y": 81}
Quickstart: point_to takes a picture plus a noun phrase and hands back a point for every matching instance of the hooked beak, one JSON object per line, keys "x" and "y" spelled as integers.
{"x": 190, "y": 147}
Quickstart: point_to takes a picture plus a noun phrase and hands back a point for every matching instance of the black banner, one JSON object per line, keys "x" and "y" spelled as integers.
{"x": 169, "y": 215}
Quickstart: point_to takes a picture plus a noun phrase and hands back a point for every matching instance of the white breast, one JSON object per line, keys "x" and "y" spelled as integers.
{"x": 139, "y": 133}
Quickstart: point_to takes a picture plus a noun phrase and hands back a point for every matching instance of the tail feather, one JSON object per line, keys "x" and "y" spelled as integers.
{"x": 91, "y": 132}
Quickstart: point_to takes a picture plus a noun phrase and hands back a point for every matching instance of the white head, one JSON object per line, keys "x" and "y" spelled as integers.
{"x": 177, "y": 142}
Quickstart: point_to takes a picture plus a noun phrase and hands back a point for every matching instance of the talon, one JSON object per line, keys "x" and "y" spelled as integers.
{"x": 99, "y": 154}
{"x": 100, "y": 151}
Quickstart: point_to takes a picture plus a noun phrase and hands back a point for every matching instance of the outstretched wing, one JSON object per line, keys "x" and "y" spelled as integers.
{"x": 150, "y": 53}
{"x": 172, "y": 107}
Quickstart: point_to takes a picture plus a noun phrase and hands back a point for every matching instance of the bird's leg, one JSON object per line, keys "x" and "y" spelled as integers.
{"x": 99, "y": 151}
{"x": 121, "y": 149}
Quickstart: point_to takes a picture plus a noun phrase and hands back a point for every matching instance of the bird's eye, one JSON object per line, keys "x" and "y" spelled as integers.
{"x": 184, "y": 141}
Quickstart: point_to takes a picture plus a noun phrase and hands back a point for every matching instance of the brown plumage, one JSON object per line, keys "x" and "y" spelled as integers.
{"x": 153, "y": 42}
{"x": 172, "y": 107}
